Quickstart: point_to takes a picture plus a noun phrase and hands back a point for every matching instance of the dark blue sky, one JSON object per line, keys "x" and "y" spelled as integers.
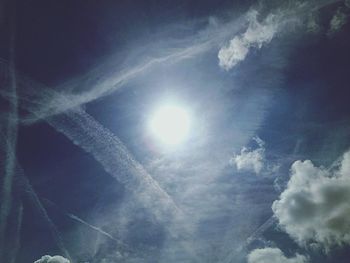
{"x": 261, "y": 177}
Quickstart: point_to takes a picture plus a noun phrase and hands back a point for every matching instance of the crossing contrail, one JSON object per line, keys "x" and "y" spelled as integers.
{"x": 84, "y": 131}
{"x": 115, "y": 158}
{"x": 24, "y": 188}
{"x": 33, "y": 197}
{"x": 107, "y": 149}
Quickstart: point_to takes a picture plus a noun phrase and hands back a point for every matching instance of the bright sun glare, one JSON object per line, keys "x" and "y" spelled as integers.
{"x": 170, "y": 124}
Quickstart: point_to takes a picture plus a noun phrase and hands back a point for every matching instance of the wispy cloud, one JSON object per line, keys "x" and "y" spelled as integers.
{"x": 273, "y": 255}
{"x": 314, "y": 208}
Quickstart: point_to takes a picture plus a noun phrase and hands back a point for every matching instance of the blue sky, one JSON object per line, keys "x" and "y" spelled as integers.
{"x": 262, "y": 174}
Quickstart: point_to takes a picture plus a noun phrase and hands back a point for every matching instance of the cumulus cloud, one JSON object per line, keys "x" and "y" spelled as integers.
{"x": 256, "y": 35}
{"x": 273, "y": 255}
{"x": 314, "y": 209}
{"x": 52, "y": 259}
{"x": 254, "y": 160}
{"x": 250, "y": 160}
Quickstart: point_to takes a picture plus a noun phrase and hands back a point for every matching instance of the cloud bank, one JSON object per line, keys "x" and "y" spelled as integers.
{"x": 273, "y": 255}
{"x": 314, "y": 209}
{"x": 53, "y": 259}
{"x": 256, "y": 35}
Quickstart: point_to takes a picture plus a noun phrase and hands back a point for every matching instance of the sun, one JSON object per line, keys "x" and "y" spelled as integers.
{"x": 170, "y": 124}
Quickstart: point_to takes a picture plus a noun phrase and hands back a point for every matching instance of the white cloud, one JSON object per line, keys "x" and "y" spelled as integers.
{"x": 273, "y": 255}
{"x": 338, "y": 20}
{"x": 315, "y": 207}
{"x": 52, "y": 259}
{"x": 250, "y": 160}
{"x": 256, "y": 35}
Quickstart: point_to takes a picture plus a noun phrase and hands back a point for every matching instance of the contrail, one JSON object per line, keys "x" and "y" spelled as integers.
{"x": 101, "y": 84}
{"x": 92, "y": 227}
{"x": 28, "y": 190}
{"x": 110, "y": 152}
{"x": 18, "y": 221}
{"x": 79, "y": 220}
{"x": 260, "y": 230}
{"x": 253, "y": 236}
{"x": 116, "y": 82}
{"x": 103, "y": 145}
{"x": 13, "y": 221}
{"x": 11, "y": 121}
{"x": 33, "y": 197}
{"x": 115, "y": 158}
